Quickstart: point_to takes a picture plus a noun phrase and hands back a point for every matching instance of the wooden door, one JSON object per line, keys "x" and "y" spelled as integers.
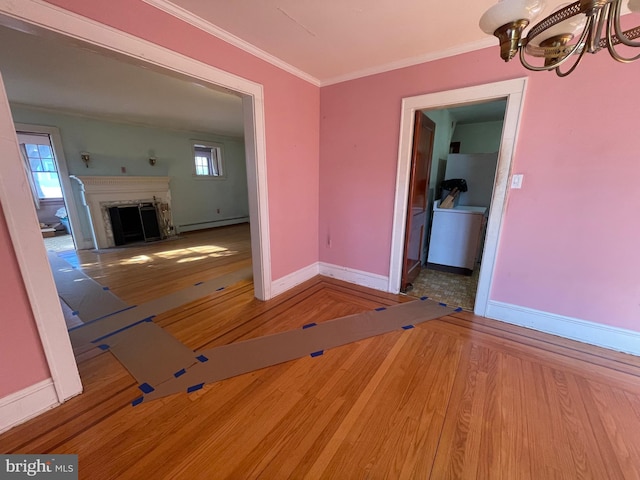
{"x": 421, "y": 155}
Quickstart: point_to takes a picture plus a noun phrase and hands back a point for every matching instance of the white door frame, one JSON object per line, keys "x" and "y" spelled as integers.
{"x": 18, "y": 206}
{"x": 513, "y": 91}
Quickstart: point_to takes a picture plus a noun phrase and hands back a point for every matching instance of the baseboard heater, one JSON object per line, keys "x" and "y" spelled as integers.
{"x": 185, "y": 227}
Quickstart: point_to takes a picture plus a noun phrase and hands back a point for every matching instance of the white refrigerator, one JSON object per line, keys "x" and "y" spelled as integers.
{"x": 456, "y": 237}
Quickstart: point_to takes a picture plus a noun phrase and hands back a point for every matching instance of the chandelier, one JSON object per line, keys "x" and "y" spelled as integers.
{"x": 562, "y": 38}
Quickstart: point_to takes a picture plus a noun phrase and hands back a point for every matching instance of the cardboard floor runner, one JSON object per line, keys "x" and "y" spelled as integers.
{"x": 150, "y": 353}
{"x": 242, "y": 357}
{"x": 88, "y": 335}
{"x": 87, "y": 298}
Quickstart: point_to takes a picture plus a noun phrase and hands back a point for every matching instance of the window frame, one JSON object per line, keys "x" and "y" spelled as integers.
{"x": 42, "y": 160}
{"x": 213, "y": 146}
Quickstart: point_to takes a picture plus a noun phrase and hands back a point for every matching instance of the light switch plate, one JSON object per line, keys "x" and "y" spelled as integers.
{"x": 516, "y": 181}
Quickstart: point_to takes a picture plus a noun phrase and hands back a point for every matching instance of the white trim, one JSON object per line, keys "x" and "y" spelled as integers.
{"x": 24, "y": 229}
{"x": 287, "y": 282}
{"x": 51, "y": 17}
{"x": 255, "y": 147}
{"x": 30, "y": 402}
{"x": 358, "y": 277}
{"x": 198, "y": 22}
{"x": 67, "y": 192}
{"x": 18, "y": 207}
{"x": 613, "y": 338}
{"x": 513, "y": 90}
{"x": 411, "y": 61}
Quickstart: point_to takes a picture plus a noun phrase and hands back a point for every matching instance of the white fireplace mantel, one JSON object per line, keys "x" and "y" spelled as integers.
{"x": 101, "y": 192}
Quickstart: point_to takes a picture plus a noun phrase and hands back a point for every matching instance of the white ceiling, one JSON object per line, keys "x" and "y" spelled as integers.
{"x": 55, "y": 74}
{"x": 320, "y": 41}
{"x": 335, "y": 40}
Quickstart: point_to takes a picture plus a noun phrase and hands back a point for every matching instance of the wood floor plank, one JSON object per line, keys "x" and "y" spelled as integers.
{"x": 457, "y": 397}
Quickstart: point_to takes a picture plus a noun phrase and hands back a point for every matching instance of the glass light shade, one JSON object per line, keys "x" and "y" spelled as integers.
{"x": 507, "y": 11}
{"x": 634, "y": 6}
{"x": 571, "y": 25}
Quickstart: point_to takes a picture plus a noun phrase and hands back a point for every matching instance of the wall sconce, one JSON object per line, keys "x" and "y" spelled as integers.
{"x": 152, "y": 161}
{"x": 85, "y": 158}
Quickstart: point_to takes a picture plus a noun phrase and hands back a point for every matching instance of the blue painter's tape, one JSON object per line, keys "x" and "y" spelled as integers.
{"x": 100, "y": 318}
{"x": 196, "y": 284}
{"x": 202, "y": 358}
{"x": 218, "y": 289}
{"x": 309, "y": 325}
{"x": 317, "y": 354}
{"x": 179, "y": 373}
{"x": 137, "y": 401}
{"x": 442, "y": 304}
{"x": 148, "y": 319}
{"x": 193, "y": 388}
{"x": 459, "y": 309}
{"x": 105, "y": 288}
{"x": 408, "y": 327}
{"x": 379, "y": 309}
{"x": 146, "y": 388}
{"x": 424, "y": 298}
{"x": 103, "y": 346}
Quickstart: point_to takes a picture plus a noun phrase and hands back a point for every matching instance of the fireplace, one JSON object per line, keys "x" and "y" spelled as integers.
{"x": 134, "y": 223}
{"x": 124, "y": 210}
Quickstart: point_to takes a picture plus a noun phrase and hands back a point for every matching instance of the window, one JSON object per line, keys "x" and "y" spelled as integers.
{"x": 208, "y": 160}
{"x": 43, "y": 170}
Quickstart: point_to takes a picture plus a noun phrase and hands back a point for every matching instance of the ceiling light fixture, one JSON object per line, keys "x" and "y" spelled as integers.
{"x": 575, "y": 29}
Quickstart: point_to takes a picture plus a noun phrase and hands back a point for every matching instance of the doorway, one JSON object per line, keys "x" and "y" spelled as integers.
{"x": 513, "y": 92}
{"x": 48, "y": 176}
{"x": 465, "y": 161}
{"x": 17, "y": 204}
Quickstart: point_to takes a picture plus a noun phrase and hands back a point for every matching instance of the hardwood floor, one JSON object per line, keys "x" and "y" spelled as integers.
{"x": 457, "y": 397}
{"x": 142, "y": 272}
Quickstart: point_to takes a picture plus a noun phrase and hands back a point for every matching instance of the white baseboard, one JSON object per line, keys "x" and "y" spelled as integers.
{"x": 287, "y": 282}
{"x": 613, "y": 338}
{"x": 30, "y": 402}
{"x": 205, "y": 225}
{"x": 364, "y": 279}
{"x": 357, "y": 277}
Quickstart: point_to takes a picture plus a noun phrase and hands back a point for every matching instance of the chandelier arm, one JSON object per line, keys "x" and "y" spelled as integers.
{"x": 619, "y": 58}
{"x": 573, "y": 67}
{"x": 598, "y": 27}
{"x": 565, "y": 58}
{"x": 620, "y": 35}
{"x": 614, "y": 24}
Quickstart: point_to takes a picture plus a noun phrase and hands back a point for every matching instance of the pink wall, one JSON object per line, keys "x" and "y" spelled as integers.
{"x": 570, "y": 238}
{"x": 22, "y": 361}
{"x": 291, "y": 116}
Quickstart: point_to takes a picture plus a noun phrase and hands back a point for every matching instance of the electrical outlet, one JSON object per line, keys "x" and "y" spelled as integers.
{"x": 218, "y": 210}
{"x": 516, "y": 181}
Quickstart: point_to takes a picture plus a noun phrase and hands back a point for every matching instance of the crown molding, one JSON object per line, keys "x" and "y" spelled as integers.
{"x": 202, "y": 24}
{"x": 198, "y": 22}
{"x": 409, "y": 62}
{"x": 137, "y": 181}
